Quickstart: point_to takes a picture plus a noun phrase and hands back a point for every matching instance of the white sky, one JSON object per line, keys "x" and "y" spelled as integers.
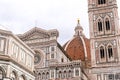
{"x": 20, "y": 16}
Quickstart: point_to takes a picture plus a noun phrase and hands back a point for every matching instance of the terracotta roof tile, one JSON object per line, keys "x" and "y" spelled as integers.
{"x": 75, "y": 48}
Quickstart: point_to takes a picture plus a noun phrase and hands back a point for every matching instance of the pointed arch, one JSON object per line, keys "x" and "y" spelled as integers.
{"x": 101, "y": 2}
{"x": 47, "y": 75}
{"x": 22, "y": 77}
{"x": 107, "y": 23}
{"x": 70, "y": 73}
{"x": 14, "y": 75}
{"x": 60, "y": 74}
{"x": 110, "y": 51}
{"x": 99, "y": 24}
{"x": 102, "y": 51}
{"x": 64, "y": 74}
{"x": 39, "y": 76}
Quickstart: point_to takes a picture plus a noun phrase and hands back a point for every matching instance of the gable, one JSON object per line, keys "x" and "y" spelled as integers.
{"x": 37, "y": 35}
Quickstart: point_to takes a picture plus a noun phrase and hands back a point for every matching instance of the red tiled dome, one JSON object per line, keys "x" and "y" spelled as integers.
{"x": 79, "y": 47}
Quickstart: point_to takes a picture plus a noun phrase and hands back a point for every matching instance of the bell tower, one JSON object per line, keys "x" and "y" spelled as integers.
{"x": 105, "y": 38}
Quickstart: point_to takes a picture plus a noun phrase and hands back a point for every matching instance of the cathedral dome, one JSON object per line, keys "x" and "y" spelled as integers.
{"x": 78, "y": 48}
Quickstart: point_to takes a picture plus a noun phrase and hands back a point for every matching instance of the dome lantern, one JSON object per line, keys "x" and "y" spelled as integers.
{"x": 78, "y": 29}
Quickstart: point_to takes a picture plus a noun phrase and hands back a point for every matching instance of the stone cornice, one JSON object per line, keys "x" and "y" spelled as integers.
{"x": 52, "y": 32}
{"x": 9, "y": 59}
{"x": 9, "y": 33}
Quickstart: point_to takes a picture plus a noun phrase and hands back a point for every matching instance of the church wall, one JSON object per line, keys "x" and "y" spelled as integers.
{"x": 9, "y": 67}
{"x": 12, "y": 60}
{"x": 21, "y": 54}
{"x": 61, "y": 56}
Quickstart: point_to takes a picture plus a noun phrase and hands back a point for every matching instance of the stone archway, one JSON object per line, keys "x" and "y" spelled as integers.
{"x": 2, "y": 73}
{"x": 14, "y": 75}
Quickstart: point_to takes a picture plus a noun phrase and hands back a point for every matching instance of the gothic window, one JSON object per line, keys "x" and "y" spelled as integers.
{"x": 60, "y": 74}
{"x": 107, "y": 24}
{"x": 100, "y": 25}
{"x": 22, "y": 78}
{"x": 102, "y": 52}
{"x": 65, "y": 74}
{"x": 47, "y": 75}
{"x": 77, "y": 72}
{"x": 70, "y": 73}
{"x": 39, "y": 76}
{"x": 110, "y": 51}
{"x": 101, "y": 2}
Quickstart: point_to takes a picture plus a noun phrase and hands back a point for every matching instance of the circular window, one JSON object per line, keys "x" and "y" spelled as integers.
{"x": 37, "y": 58}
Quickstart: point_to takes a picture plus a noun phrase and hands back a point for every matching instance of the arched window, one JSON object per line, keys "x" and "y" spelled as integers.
{"x": 60, "y": 74}
{"x": 102, "y": 53}
{"x": 22, "y": 77}
{"x": 39, "y": 76}
{"x": 69, "y": 73}
{"x": 13, "y": 76}
{"x": 47, "y": 75}
{"x": 43, "y": 75}
{"x": 107, "y": 24}
{"x": 101, "y": 1}
{"x": 65, "y": 74}
{"x": 110, "y": 51}
{"x": 100, "y": 25}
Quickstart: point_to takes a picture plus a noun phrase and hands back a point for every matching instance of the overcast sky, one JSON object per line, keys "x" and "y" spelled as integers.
{"x": 20, "y": 16}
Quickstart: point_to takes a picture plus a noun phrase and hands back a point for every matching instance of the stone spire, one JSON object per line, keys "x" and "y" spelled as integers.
{"x": 78, "y": 29}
